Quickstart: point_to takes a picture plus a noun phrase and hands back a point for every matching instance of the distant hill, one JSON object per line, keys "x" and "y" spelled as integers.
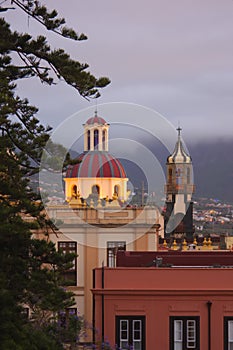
{"x": 212, "y": 165}
{"x": 213, "y": 169}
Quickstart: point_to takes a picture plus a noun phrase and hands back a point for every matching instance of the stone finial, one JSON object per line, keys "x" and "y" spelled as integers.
{"x": 99, "y": 203}
{"x": 209, "y": 243}
{"x": 184, "y": 245}
{"x": 76, "y": 201}
{"x": 204, "y": 247}
{"x": 174, "y": 245}
{"x": 115, "y": 196}
{"x": 195, "y": 241}
{"x": 107, "y": 201}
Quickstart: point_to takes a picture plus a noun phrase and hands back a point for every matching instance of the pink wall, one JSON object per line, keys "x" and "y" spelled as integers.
{"x": 159, "y": 293}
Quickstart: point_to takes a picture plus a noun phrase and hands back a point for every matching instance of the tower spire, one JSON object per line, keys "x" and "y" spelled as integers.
{"x": 179, "y": 154}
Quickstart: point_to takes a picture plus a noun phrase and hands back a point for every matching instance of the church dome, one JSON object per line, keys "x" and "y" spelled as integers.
{"x": 96, "y": 120}
{"x": 96, "y": 164}
{"x": 179, "y": 154}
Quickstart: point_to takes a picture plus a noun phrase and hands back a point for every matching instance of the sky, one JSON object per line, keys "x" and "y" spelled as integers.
{"x": 171, "y": 56}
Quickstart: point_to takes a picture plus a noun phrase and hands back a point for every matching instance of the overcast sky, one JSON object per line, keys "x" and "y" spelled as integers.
{"x": 174, "y": 56}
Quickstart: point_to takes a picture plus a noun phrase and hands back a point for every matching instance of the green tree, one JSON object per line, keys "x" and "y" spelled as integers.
{"x": 31, "y": 270}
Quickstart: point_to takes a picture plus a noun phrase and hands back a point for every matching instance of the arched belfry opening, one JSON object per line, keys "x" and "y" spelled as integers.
{"x": 104, "y": 140}
{"x": 96, "y": 138}
{"x": 88, "y": 140}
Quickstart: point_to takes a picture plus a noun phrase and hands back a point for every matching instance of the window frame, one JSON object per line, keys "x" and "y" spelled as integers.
{"x": 63, "y": 316}
{"x": 71, "y": 274}
{"x": 112, "y": 248}
{"x": 227, "y": 319}
{"x": 185, "y": 333}
{"x": 131, "y": 321}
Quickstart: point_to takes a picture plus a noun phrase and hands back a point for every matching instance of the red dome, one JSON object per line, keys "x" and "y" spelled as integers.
{"x": 96, "y": 164}
{"x": 96, "y": 120}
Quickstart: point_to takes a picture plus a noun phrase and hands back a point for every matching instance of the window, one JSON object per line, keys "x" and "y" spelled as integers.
{"x": 188, "y": 176}
{"x": 96, "y": 138}
{"x": 178, "y": 176}
{"x": 70, "y": 275}
{"x": 130, "y": 331}
{"x": 88, "y": 140}
{"x": 95, "y": 189}
{"x": 170, "y": 176}
{"x": 74, "y": 191}
{"x": 228, "y": 333}
{"x": 68, "y": 323}
{"x": 104, "y": 140}
{"x": 184, "y": 333}
{"x": 116, "y": 190}
{"x": 64, "y": 316}
{"x": 112, "y": 248}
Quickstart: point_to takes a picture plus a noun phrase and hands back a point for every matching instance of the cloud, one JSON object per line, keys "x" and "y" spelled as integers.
{"x": 173, "y": 56}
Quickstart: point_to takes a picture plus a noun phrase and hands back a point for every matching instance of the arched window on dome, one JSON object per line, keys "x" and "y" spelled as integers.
{"x": 74, "y": 191}
{"x": 88, "y": 140}
{"x": 116, "y": 190}
{"x": 96, "y": 138}
{"x": 95, "y": 189}
{"x": 104, "y": 140}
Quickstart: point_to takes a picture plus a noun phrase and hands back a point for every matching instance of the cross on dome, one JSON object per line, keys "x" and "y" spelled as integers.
{"x": 179, "y": 130}
{"x": 179, "y": 154}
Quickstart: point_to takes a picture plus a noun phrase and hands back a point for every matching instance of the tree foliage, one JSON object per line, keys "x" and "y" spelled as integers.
{"x": 31, "y": 270}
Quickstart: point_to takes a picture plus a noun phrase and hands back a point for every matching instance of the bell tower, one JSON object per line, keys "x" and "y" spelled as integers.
{"x": 96, "y": 134}
{"x": 178, "y": 216}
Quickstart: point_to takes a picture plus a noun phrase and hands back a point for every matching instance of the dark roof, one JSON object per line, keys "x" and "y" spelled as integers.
{"x": 175, "y": 258}
{"x": 96, "y": 120}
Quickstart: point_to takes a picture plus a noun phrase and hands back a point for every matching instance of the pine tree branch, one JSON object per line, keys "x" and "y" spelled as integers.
{"x": 40, "y": 14}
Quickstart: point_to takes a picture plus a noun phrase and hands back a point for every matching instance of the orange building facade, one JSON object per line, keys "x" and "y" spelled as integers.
{"x": 166, "y": 308}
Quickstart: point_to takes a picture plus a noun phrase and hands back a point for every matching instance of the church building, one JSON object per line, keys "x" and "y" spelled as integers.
{"x": 95, "y": 221}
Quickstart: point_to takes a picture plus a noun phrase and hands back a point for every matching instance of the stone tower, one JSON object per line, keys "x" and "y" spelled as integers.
{"x": 178, "y": 216}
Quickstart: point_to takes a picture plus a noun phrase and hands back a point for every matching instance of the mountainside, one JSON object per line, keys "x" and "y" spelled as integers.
{"x": 212, "y": 166}
{"x": 213, "y": 169}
